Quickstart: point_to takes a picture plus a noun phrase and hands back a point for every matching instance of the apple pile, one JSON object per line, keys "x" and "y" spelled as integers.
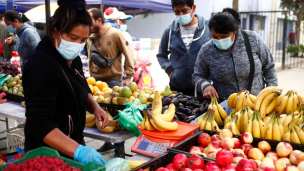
{"x": 228, "y": 151}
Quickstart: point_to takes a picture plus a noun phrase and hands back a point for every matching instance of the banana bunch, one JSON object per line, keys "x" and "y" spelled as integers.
{"x": 268, "y": 118}
{"x": 237, "y": 100}
{"x": 208, "y": 122}
{"x": 231, "y": 125}
{"x": 294, "y": 134}
{"x": 289, "y": 102}
{"x": 287, "y": 121}
{"x": 266, "y": 100}
{"x": 256, "y": 126}
{"x": 244, "y": 114}
{"x": 230, "y": 116}
{"x": 160, "y": 122}
{"x": 112, "y": 126}
{"x": 219, "y": 113}
{"x": 275, "y": 129}
{"x": 90, "y": 120}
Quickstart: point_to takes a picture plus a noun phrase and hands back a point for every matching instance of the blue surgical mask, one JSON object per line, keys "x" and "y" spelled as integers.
{"x": 223, "y": 44}
{"x": 11, "y": 29}
{"x": 69, "y": 50}
{"x": 123, "y": 28}
{"x": 184, "y": 19}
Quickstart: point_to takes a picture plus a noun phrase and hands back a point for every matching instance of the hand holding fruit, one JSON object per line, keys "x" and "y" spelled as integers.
{"x": 127, "y": 81}
{"x": 210, "y": 92}
{"x": 101, "y": 115}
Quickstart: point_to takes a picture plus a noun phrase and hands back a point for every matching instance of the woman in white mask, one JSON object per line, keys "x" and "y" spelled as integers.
{"x": 56, "y": 91}
{"x": 235, "y": 60}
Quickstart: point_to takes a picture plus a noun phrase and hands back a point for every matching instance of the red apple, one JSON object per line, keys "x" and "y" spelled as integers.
{"x": 195, "y": 162}
{"x": 299, "y": 158}
{"x": 264, "y": 146}
{"x": 246, "y": 163}
{"x": 198, "y": 170}
{"x": 225, "y": 133}
{"x": 170, "y": 167}
{"x": 186, "y": 169}
{"x": 246, "y": 138}
{"x": 202, "y": 148}
{"x": 269, "y": 169}
{"x": 214, "y": 146}
{"x": 180, "y": 161}
{"x": 292, "y": 156}
{"x": 215, "y": 137}
{"x": 224, "y": 157}
{"x": 161, "y": 169}
{"x": 211, "y": 164}
{"x": 204, "y": 139}
{"x": 237, "y": 143}
{"x": 272, "y": 155}
{"x": 256, "y": 154}
{"x": 227, "y": 143}
{"x": 284, "y": 149}
{"x": 246, "y": 148}
{"x": 291, "y": 168}
{"x": 195, "y": 150}
{"x": 229, "y": 167}
{"x": 237, "y": 154}
{"x": 213, "y": 168}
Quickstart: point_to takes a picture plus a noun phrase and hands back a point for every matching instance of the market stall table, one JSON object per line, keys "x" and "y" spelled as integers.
{"x": 13, "y": 110}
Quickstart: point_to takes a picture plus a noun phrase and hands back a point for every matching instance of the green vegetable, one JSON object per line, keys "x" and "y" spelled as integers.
{"x": 4, "y": 80}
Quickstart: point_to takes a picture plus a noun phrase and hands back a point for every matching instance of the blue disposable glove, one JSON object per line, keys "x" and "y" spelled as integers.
{"x": 85, "y": 155}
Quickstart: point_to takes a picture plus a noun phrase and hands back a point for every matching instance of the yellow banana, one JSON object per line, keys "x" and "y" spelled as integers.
{"x": 287, "y": 121}
{"x": 269, "y": 128}
{"x": 246, "y": 100}
{"x": 245, "y": 119}
{"x": 287, "y": 136}
{"x": 281, "y": 129}
{"x": 148, "y": 125}
{"x": 295, "y": 102}
{"x": 203, "y": 123}
{"x": 301, "y": 98}
{"x": 235, "y": 101}
{"x": 109, "y": 129}
{"x": 279, "y": 99}
{"x": 280, "y": 109}
{"x": 238, "y": 120}
{"x": 276, "y": 133}
{"x": 90, "y": 117}
{"x": 249, "y": 125}
{"x": 157, "y": 104}
{"x": 282, "y": 119}
{"x": 256, "y": 132}
{"x": 249, "y": 112}
{"x": 170, "y": 126}
{"x": 208, "y": 125}
{"x": 231, "y": 99}
{"x": 240, "y": 101}
{"x": 214, "y": 125}
{"x": 295, "y": 119}
{"x": 267, "y": 119}
{"x": 252, "y": 98}
{"x": 270, "y": 108}
{"x": 156, "y": 126}
{"x": 289, "y": 105}
{"x": 266, "y": 102}
{"x": 261, "y": 97}
{"x": 134, "y": 164}
{"x": 301, "y": 119}
{"x": 168, "y": 114}
{"x": 221, "y": 111}
{"x": 90, "y": 124}
{"x": 142, "y": 124}
{"x": 217, "y": 116}
{"x": 198, "y": 122}
{"x": 262, "y": 126}
{"x": 300, "y": 134}
{"x": 294, "y": 136}
{"x": 232, "y": 126}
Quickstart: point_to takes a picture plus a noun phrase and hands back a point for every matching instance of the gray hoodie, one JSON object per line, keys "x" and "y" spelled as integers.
{"x": 229, "y": 71}
{"x": 26, "y": 42}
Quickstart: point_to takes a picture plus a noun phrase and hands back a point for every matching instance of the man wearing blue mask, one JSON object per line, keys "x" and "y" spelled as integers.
{"x": 182, "y": 39}
{"x": 123, "y": 18}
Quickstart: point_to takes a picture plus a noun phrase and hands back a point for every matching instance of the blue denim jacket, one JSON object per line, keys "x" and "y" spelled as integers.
{"x": 26, "y": 42}
{"x": 181, "y": 62}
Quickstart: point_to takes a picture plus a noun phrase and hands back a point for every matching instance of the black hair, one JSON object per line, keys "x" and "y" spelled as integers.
{"x": 1, "y": 15}
{"x": 68, "y": 15}
{"x": 39, "y": 26}
{"x": 234, "y": 13}
{"x": 223, "y": 23}
{"x": 12, "y": 15}
{"x": 97, "y": 13}
{"x": 189, "y": 3}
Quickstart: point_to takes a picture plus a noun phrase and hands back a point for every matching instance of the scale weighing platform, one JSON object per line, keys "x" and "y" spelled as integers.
{"x": 156, "y": 143}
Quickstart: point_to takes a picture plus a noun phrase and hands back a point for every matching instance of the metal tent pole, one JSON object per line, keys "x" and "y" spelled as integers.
{"x": 47, "y": 16}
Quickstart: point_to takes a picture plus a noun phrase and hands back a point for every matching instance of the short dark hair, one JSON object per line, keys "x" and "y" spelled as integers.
{"x": 223, "y": 23}
{"x": 12, "y": 15}
{"x": 234, "y": 13}
{"x": 97, "y": 13}
{"x": 189, "y": 3}
{"x": 1, "y": 15}
{"x": 70, "y": 14}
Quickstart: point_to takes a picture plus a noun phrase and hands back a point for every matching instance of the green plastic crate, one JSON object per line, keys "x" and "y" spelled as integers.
{"x": 45, "y": 151}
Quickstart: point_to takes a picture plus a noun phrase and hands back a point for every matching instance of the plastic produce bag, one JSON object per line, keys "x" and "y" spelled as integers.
{"x": 117, "y": 164}
{"x": 130, "y": 117}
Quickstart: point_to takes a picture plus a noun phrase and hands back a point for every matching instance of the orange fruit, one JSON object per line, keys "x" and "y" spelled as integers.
{"x": 91, "y": 81}
{"x": 106, "y": 89}
{"x": 95, "y": 89}
{"x": 101, "y": 85}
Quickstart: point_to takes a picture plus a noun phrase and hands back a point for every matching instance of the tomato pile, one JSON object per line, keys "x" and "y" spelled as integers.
{"x": 41, "y": 164}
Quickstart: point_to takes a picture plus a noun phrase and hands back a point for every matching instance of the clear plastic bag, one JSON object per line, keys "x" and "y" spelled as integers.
{"x": 117, "y": 164}
{"x": 130, "y": 117}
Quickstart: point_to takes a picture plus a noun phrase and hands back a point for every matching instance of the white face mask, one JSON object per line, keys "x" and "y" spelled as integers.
{"x": 148, "y": 68}
{"x": 69, "y": 50}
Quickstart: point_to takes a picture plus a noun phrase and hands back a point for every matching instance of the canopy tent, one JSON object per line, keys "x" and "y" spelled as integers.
{"x": 37, "y": 14}
{"x": 135, "y": 7}
{"x": 42, "y": 2}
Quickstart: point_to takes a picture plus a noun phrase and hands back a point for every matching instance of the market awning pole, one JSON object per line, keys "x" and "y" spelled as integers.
{"x": 6, "y": 5}
{"x": 47, "y": 16}
{"x": 284, "y": 41}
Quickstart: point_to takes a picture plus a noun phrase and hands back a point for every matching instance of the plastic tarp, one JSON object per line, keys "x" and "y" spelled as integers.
{"x": 134, "y": 7}
{"x": 42, "y": 2}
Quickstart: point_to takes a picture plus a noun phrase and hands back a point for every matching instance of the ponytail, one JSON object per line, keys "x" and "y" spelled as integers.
{"x": 13, "y": 15}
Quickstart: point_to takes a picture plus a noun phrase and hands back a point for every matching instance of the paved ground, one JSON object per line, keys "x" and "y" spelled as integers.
{"x": 289, "y": 79}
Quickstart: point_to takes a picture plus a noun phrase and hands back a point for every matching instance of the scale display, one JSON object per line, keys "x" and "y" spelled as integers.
{"x": 150, "y": 147}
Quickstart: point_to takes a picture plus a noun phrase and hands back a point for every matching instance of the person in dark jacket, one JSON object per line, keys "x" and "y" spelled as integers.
{"x": 182, "y": 39}
{"x": 56, "y": 92}
{"x": 224, "y": 59}
{"x": 7, "y": 41}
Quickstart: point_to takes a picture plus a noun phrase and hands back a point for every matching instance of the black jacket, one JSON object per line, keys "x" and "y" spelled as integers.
{"x": 49, "y": 100}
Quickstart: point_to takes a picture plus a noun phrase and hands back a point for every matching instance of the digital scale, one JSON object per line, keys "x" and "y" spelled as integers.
{"x": 156, "y": 143}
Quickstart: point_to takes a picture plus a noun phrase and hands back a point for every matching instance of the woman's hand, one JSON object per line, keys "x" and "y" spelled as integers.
{"x": 210, "y": 92}
{"x": 102, "y": 115}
